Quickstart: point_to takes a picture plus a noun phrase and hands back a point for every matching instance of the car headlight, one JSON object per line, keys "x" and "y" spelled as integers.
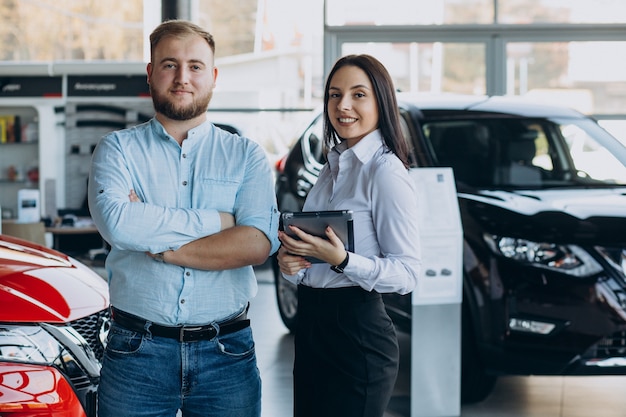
{"x": 566, "y": 259}
{"x": 44, "y": 344}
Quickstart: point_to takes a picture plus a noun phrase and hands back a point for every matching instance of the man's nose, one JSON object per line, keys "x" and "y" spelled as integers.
{"x": 182, "y": 75}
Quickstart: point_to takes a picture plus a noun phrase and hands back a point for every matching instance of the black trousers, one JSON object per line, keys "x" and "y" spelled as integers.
{"x": 346, "y": 354}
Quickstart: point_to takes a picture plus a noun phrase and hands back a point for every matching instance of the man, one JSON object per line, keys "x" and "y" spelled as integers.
{"x": 187, "y": 209}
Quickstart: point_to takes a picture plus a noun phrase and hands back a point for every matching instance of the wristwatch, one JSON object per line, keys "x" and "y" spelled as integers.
{"x": 339, "y": 268}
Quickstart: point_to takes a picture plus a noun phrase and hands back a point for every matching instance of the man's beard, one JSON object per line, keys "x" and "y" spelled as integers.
{"x": 169, "y": 110}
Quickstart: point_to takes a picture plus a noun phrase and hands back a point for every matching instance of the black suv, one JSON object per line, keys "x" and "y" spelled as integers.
{"x": 542, "y": 196}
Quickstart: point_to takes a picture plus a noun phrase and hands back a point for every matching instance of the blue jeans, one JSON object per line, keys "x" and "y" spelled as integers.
{"x": 146, "y": 376}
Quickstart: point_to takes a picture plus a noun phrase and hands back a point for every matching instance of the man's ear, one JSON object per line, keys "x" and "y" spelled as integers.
{"x": 149, "y": 71}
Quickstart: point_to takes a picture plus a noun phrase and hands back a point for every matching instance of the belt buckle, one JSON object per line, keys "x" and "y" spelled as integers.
{"x": 186, "y": 329}
{"x": 187, "y": 333}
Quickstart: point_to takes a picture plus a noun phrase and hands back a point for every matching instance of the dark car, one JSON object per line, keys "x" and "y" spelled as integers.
{"x": 542, "y": 198}
{"x": 54, "y": 316}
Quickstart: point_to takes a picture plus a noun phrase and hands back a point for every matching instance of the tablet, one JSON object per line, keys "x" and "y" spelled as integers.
{"x": 315, "y": 223}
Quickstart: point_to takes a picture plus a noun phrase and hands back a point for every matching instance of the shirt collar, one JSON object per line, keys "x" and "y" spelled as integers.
{"x": 365, "y": 149}
{"x": 199, "y": 130}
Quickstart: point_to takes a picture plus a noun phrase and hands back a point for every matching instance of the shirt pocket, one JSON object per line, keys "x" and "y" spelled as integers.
{"x": 216, "y": 193}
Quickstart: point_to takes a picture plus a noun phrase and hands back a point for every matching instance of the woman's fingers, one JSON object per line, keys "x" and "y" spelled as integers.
{"x": 290, "y": 264}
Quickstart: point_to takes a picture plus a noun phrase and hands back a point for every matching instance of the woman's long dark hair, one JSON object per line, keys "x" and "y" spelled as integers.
{"x": 388, "y": 119}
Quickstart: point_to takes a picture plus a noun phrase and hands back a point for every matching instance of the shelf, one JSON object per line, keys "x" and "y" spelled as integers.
{"x": 18, "y": 182}
{"x": 34, "y": 142}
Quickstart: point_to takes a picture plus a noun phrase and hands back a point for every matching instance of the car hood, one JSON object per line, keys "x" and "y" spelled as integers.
{"x": 581, "y": 216}
{"x": 41, "y": 285}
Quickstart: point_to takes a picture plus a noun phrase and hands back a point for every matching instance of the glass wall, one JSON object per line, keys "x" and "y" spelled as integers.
{"x": 589, "y": 76}
{"x": 403, "y": 12}
{"x": 561, "y": 11}
{"x": 566, "y": 52}
{"x": 455, "y": 12}
{"x": 274, "y": 54}
{"x": 432, "y": 67}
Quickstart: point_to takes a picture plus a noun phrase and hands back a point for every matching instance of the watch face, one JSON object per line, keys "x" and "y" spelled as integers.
{"x": 337, "y": 269}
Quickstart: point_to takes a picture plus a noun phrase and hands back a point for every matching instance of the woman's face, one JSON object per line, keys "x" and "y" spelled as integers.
{"x": 352, "y": 105}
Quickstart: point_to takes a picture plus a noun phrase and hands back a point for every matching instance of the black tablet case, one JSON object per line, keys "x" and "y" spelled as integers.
{"x": 315, "y": 223}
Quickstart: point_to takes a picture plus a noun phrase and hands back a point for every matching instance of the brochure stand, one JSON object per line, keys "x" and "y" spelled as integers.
{"x": 28, "y": 210}
{"x": 436, "y": 302}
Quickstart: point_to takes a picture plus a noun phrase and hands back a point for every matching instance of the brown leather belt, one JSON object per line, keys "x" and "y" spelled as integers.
{"x": 180, "y": 333}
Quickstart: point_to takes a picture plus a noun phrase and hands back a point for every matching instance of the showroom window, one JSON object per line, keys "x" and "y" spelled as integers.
{"x": 589, "y": 76}
{"x": 402, "y": 12}
{"x": 561, "y": 11}
{"x": 429, "y": 66}
{"x": 455, "y": 12}
{"x": 566, "y": 52}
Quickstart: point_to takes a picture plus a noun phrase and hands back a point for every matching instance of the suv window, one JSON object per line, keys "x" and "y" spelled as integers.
{"x": 590, "y": 158}
{"x": 514, "y": 152}
{"x": 313, "y": 142}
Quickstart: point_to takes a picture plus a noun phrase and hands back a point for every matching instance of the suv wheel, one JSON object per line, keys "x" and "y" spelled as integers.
{"x": 476, "y": 384}
{"x": 286, "y": 297}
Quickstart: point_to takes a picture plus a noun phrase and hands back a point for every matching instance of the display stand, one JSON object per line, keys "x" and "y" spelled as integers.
{"x": 29, "y": 158}
{"x": 64, "y": 109}
{"x": 436, "y": 303}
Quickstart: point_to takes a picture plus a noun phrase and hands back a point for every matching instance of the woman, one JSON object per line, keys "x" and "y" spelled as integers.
{"x": 346, "y": 350}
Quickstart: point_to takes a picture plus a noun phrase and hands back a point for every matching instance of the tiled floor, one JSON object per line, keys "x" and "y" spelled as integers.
{"x": 513, "y": 396}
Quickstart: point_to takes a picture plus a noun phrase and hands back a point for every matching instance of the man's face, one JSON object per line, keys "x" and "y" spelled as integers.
{"x": 182, "y": 77}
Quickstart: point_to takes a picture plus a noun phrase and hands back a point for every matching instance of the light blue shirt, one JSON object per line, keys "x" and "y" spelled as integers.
{"x": 375, "y": 185}
{"x": 182, "y": 189}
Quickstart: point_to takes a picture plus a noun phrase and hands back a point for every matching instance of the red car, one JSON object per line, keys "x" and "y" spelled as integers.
{"x": 54, "y": 317}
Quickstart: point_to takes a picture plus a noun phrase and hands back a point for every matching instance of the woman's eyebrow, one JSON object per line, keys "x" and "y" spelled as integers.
{"x": 354, "y": 87}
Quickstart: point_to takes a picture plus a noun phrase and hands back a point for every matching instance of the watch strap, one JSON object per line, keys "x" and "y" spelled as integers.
{"x": 339, "y": 268}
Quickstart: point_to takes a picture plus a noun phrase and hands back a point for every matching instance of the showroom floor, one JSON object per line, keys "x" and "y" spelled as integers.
{"x": 513, "y": 396}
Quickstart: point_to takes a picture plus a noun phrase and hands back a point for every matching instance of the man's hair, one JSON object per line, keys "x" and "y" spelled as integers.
{"x": 178, "y": 29}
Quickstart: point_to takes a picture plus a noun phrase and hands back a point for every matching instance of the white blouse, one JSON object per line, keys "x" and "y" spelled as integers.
{"x": 372, "y": 182}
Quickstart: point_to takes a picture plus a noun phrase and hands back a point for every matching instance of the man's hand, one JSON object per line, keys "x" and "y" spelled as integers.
{"x": 133, "y": 197}
{"x": 227, "y": 220}
{"x": 215, "y": 252}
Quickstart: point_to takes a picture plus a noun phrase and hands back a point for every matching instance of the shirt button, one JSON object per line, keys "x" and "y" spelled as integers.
{"x": 182, "y": 301}
{"x": 184, "y": 182}
{"x": 187, "y": 273}
{"x": 184, "y": 155}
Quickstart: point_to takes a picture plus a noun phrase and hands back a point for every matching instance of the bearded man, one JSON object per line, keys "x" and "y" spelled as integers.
{"x": 188, "y": 209}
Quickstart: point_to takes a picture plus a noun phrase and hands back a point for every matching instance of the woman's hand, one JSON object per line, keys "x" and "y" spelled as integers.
{"x": 331, "y": 250}
{"x": 290, "y": 264}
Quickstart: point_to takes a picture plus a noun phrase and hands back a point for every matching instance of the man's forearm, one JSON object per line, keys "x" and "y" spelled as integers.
{"x": 232, "y": 248}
